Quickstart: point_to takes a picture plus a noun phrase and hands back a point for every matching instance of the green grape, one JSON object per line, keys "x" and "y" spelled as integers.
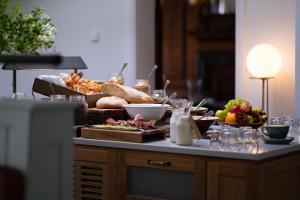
{"x": 230, "y": 103}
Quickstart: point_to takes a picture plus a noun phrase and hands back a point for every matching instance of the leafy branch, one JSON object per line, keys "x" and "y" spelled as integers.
{"x": 22, "y": 33}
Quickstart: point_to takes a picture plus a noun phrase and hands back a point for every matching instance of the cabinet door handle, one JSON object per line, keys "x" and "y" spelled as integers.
{"x": 159, "y": 163}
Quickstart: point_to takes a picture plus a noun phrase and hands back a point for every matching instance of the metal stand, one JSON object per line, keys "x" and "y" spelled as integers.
{"x": 265, "y": 85}
{"x": 14, "y": 83}
{"x": 265, "y": 93}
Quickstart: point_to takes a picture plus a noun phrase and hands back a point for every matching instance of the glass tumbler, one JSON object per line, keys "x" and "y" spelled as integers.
{"x": 58, "y": 97}
{"x": 18, "y": 96}
{"x": 277, "y": 120}
{"x": 80, "y": 114}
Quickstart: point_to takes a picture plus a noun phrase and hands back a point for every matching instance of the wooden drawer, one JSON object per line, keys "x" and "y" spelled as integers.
{"x": 160, "y": 160}
{"x": 91, "y": 154}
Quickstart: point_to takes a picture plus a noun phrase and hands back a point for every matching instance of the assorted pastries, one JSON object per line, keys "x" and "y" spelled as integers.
{"x": 79, "y": 84}
{"x": 117, "y": 94}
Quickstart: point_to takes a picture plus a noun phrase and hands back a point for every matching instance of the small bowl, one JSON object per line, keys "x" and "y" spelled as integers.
{"x": 204, "y": 123}
{"x": 148, "y": 111}
{"x": 199, "y": 112}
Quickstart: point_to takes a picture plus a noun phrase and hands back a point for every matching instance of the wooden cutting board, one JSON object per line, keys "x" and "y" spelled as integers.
{"x": 122, "y": 135}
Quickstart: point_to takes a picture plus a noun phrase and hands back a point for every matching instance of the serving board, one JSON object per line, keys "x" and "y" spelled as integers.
{"x": 122, "y": 135}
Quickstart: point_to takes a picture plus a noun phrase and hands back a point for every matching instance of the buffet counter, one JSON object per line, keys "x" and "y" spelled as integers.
{"x": 163, "y": 170}
{"x": 199, "y": 148}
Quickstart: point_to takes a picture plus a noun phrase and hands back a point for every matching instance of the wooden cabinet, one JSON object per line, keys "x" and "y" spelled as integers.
{"x": 109, "y": 174}
{"x": 94, "y": 174}
{"x": 275, "y": 179}
{"x": 228, "y": 181}
{"x": 280, "y": 179}
{"x": 148, "y": 175}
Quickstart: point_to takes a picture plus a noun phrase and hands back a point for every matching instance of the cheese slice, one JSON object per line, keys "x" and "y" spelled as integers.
{"x": 116, "y": 127}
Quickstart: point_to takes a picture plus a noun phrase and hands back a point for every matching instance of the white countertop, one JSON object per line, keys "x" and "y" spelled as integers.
{"x": 199, "y": 147}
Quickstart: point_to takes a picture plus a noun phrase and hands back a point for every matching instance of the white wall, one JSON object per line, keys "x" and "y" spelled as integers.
{"x": 273, "y": 22}
{"x": 116, "y": 21}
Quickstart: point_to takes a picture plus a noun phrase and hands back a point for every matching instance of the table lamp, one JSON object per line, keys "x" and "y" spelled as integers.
{"x": 264, "y": 62}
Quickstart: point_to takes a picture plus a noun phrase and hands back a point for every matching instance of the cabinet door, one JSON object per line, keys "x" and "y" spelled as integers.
{"x": 280, "y": 179}
{"x": 94, "y": 174}
{"x": 156, "y": 176}
{"x": 228, "y": 181}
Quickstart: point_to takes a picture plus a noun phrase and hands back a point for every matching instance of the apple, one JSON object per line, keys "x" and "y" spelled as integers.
{"x": 235, "y": 108}
{"x": 246, "y": 107}
{"x": 221, "y": 114}
{"x": 250, "y": 119}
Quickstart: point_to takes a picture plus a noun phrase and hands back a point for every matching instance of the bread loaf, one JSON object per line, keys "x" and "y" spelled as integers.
{"x": 110, "y": 102}
{"x": 129, "y": 94}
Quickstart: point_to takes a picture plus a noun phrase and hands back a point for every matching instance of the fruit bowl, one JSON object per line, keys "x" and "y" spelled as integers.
{"x": 239, "y": 112}
{"x": 253, "y": 125}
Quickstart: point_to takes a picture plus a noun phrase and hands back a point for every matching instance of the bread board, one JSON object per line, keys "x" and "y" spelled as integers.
{"x": 121, "y": 135}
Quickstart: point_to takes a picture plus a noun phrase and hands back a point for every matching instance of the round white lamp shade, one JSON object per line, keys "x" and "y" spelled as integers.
{"x": 264, "y": 61}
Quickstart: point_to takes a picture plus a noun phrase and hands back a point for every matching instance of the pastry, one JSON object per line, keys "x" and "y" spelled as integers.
{"x": 110, "y": 102}
{"x": 129, "y": 94}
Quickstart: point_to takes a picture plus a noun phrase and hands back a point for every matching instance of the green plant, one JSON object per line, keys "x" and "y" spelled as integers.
{"x": 22, "y": 33}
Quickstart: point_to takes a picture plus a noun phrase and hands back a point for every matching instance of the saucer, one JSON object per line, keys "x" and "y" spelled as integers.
{"x": 287, "y": 140}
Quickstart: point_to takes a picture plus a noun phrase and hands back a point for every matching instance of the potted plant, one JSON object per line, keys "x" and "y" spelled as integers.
{"x": 22, "y": 33}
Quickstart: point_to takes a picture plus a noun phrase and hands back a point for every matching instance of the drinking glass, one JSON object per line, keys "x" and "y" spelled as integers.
{"x": 18, "y": 96}
{"x": 215, "y": 139}
{"x": 276, "y": 120}
{"x": 58, "y": 97}
{"x": 229, "y": 141}
{"x": 293, "y": 124}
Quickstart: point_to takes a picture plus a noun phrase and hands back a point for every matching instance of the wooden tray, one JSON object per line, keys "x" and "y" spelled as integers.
{"x": 120, "y": 135}
{"x": 46, "y": 88}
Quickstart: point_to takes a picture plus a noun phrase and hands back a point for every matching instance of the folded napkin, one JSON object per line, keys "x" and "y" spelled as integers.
{"x": 53, "y": 79}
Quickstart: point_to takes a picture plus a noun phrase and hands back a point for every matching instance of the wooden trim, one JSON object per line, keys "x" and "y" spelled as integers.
{"x": 200, "y": 180}
{"x": 136, "y": 197}
{"x": 122, "y": 177}
{"x": 92, "y": 155}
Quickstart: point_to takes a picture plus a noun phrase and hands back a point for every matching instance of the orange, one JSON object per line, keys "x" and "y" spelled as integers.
{"x": 230, "y": 118}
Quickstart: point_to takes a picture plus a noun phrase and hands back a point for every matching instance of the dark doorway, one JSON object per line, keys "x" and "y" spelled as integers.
{"x": 195, "y": 47}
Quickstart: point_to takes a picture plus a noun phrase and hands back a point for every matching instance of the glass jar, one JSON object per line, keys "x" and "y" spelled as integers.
{"x": 142, "y": 85}
{"x": 116, "y": 78}
{"x": 80, "y": 114}
{"x": 181, "y": 107}
{"x": 57, "y": 97}
{"x": 18, "y": 96}
{"x": 159, "y": 95}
